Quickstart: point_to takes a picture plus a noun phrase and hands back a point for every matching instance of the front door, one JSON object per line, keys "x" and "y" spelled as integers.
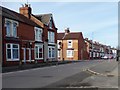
{"x": 29, "y": 54}
{"x": 26, "y": 57}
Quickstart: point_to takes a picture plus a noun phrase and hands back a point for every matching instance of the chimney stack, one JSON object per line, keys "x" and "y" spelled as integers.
{"x": 67, "y": 31}
{"x": 26, "y": 10}
{"x": 86, "y": 39}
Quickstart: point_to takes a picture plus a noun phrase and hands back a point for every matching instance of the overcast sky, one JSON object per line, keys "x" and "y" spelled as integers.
{"x": 99, "y": 18}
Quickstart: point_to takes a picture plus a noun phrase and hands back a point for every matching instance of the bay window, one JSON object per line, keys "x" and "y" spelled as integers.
{"x": 51, "y": 52}
{"x": 38, "y": 34}
{"x": 38, "y": 51}
{"x": 51, "y": 37}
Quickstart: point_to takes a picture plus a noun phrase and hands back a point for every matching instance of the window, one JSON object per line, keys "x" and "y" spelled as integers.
{"x": 97, "y": 54}
{"x": 11, "y": 28}
{"x": 38, "y": 51}
{"x": 50, "y": 24}
{"x": 69, "y": 43}
{"x": 8, "y": 28}
{"x": 90, "y": 54}
{"x": 38, "y": 34}
{"x": 93, "y": 54}
{"x": 51, "y": 37}
{"x": 15, "y": 29}
{"x": 58, "y": 43}
{"x": 51, "y": 52}
{"x": 12, "y": 51}
{"x": 58, "y": 53}
{"x": 70, "y": 53}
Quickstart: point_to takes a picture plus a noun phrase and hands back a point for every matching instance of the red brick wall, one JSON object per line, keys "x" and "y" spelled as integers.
{"x": 24, "y": 32}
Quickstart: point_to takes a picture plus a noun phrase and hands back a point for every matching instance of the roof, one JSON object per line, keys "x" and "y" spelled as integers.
{"x": 44, "y": 18}
{"x": 16, "y": 16}
{"x": 70, "y": 35}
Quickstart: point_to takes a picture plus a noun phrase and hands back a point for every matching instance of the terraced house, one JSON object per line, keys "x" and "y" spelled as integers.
{"x": 97, "y": 50}
{"x": 27, "y": 38}
{"x": 71, "y": 46}
{"x": 49, "y": 31}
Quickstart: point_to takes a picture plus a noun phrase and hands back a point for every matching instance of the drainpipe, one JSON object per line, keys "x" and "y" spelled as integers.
{"x": 62, "y": 51}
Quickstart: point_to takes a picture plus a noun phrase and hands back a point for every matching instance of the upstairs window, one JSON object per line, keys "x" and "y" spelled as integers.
{"x": 51, "y": 37}
{"x": 69, "y": 43}
{"x": 38, "y": 34}
{"x": 15, "y": 29}
{"x": 50, "y": 24}
{"x": 8, "y": 28}
{"x": 11, "y": 28}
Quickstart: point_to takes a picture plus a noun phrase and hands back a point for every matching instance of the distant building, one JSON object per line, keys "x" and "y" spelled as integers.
{"x": 71, "y": 46}
{"x": 97, "y": 50}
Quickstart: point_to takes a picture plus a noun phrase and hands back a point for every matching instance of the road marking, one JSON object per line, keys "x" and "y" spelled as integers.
{"x": 96, "y": 73}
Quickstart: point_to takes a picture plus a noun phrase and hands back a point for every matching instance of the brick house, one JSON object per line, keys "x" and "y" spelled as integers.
{"x": 49, "y": 32}
{"x": 18, "y": 38}
{"x": 71, "y": 46}
{"x": 27, "y": 38}
{"x": 97, "y": 50}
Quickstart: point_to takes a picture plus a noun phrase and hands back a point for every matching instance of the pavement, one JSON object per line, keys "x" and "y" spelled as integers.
{"x": 32, "y": 65}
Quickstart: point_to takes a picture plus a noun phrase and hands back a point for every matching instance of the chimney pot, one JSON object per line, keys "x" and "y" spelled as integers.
{"x": 26, "y": 10}
{"x": 67, "y": 31}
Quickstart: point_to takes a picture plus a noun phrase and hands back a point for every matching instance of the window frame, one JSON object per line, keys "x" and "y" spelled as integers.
{"x": 11, "y": 50}
{"x": 12, "y": 22}
{"x": 50, "y": 24}
{"x": 68, "y": 44}
{"x": 39, "y": 46}
{"x": 58, "y": 53}
{"x": 39, "y": 34}
{"x": 51, "y": 37}
{"x": 71, "y": 53}
{"x": 51, "y": 47}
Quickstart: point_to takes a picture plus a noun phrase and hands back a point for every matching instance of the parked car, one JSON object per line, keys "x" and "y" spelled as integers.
{"x": 104, "y": 57}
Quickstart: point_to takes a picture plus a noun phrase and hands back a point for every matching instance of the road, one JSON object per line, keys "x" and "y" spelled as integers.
{"x": 56, "y": 76}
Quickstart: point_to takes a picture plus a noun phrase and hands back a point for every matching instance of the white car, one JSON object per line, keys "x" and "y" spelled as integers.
{"x": 105, "y": 57}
